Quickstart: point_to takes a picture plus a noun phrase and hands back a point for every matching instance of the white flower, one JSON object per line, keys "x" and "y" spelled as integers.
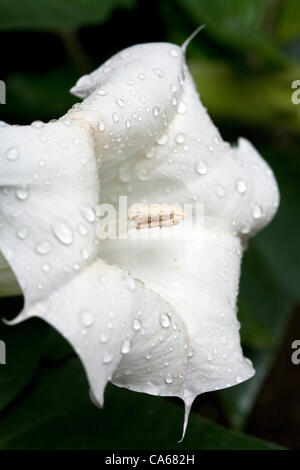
{"x": 156, "y": 316}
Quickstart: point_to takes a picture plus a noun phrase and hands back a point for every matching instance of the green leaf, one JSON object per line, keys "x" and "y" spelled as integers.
{"x": 43, "y": 97}
{"x": 258, "y": 99}
{"x": 279, "y": 244}
{"x": 56, "y": 14}
{"x": 24, "y": 347}
{"x": 238, "y": 25}
{"x": 56, "y": 413}
{"x": 288, "y": 26}
{"x": 269, "y": 287}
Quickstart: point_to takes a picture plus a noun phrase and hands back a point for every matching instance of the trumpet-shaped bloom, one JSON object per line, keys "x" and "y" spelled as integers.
{"x": 153, "y": 315}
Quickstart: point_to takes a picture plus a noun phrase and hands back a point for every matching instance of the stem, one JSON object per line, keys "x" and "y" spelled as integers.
{"x": 75, "y": 51}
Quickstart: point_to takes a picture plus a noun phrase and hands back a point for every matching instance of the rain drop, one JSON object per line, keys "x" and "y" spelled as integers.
{"x": 257, "y": 212}
{"x": 63, "y": 232}
{"x": 240, "y": 186}
{"x": 169, "y": 379}
{"x": 22, "y": 234}
{"x": 43, "y": 248}
{"x": 180, "y": 138}
{"x": 22, "y": 193}
{"x": 126, "y": 346}
{"x": 12, "y": 154}
{"x": 86, "y": 318}
{"x": 107, "y": 357}
{"x": 165, "y": 320}
{"x": 201, "y": 168}
{"x": 162, "y": 140}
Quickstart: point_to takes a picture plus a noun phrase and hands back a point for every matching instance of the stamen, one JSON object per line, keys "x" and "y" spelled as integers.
{"x": 143, "y": 216}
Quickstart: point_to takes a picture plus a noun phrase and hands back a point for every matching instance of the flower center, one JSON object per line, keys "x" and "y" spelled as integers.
{"x": 142, "y": 216}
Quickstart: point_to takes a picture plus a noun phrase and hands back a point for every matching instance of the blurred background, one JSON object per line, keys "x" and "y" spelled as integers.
{"x": 244, "y": 63}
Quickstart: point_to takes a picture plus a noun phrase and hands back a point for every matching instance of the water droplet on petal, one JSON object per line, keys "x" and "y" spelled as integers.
{"x": 86, "y": 318}
{"x": 43, "y": 248}
{"x": 107, "y": 357}
{"x": 63, "y": 232}
{"x": 165, "y": 320}
{"x": 159, "y": 73}
{"x": 46, "y": 267}
{"x": 155, "y": 111}
{"x": 181, "y": 108}
{"x": 82, "y": 230}
{"x": 22, "y": 193}
{"x": 220, "y": 191}
{"x": 162, "y": 140}
{"x": 201, "y": 167}
{"x": 126, "y": 346}
{"x": 101, "y": 126}
{"x": 169, "y": 379}
{"x": 88, "y": 214}
{"x": 180, "y": 138}
{"x": 22, "y": 234}
{"x": 120, "y": 103}
{"x": 257, "y": 211}
{"x": 12, "y": 154}
{"x": 101, "y": 92}
{"x": 136, "y": 324}
{"x": 173, "y": 53}
{"x": 241, "y": 186}
{"x": 103, "y": 337}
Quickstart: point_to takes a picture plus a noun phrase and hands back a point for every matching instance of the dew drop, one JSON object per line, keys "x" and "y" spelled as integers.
{"x": 173, "y": 53}
{"x": 126, "y": 346}
{"x": 37, "y": 124}
{"x": 22, "y": 234}
{"x": 220, "y": 192}
{"x": 88, "y": 214}
{"x": 82, "y": 230}
{"x": 162, "y": 140}
{"x": 115, "y": 117}
{"x": 63, "y": 232}
{"x": 103, "y": 337}
{"x": 43, "y": 248}
{"x": 46, "y": 267}
{"x": 22, "y": 193}
{"x": 101, "y": 92}
{"x": 257, "y": 212}
{"x": 181, "y": 108}
{"x": 86, "y": 318}
{"x": 120, "y": 103}
{"x": 155, "y": 111}
{"x": 159, "y": 73}
{"x": 101, "y": 126}
{"x": 169, "y": 379}
{"x": 201, "y": 168}
{"x": 136, "y": 324}
{"x": 240, "y": 186}
{"x": 180, "y": 138}
{"x": 107, "y": 357}
{"x": 12, "y": 154}
{"x": 165, "y": 320}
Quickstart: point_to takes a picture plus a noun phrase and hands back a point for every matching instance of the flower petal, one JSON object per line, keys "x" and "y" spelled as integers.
{"x": 49, "y": 189}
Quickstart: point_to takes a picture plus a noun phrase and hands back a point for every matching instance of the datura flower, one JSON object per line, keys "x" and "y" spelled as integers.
{"x": 153, "y": 315}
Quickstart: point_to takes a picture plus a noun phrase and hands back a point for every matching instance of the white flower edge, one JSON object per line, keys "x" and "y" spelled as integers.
{"x": 157, "y": 317}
